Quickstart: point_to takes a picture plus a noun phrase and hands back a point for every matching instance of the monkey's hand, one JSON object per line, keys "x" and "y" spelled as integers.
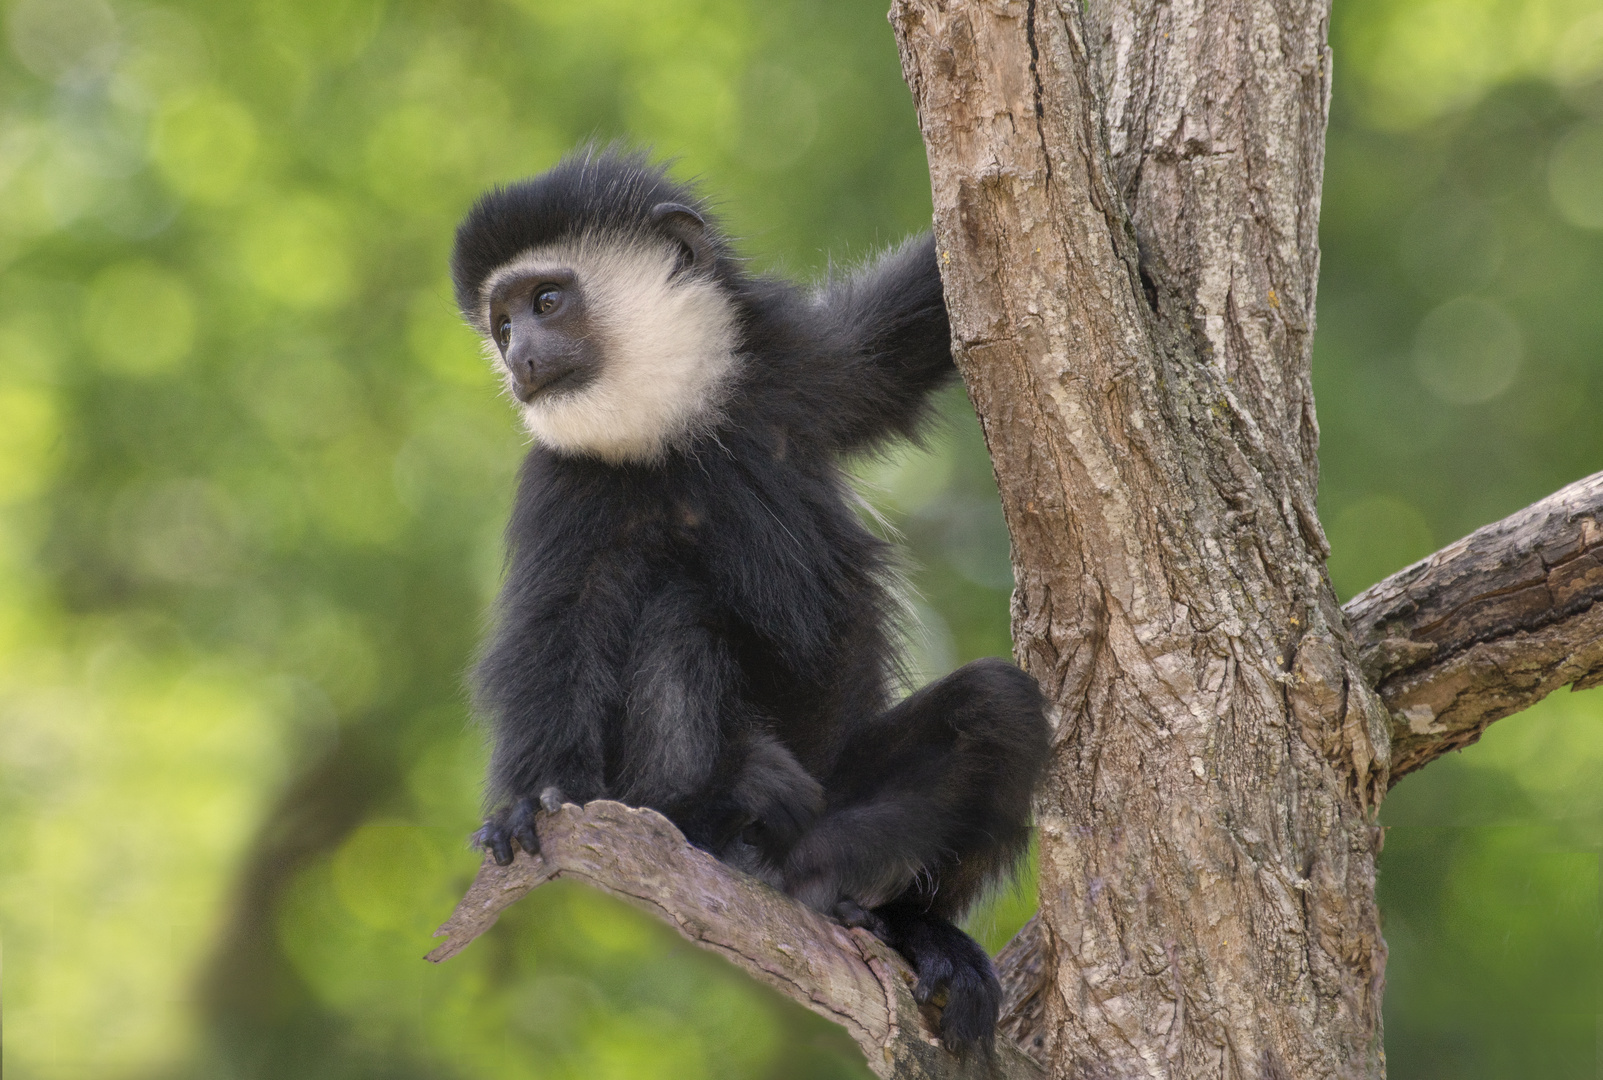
{"x": 516, "y": 822}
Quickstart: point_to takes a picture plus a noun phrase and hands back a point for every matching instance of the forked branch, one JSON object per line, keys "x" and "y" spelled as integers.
{"x": 847, "y": 976}
{"x": 1487, "y": 626}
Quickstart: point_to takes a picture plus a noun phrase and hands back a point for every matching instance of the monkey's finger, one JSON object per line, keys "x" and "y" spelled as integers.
{"x": 552, "y": 799}
{"x": 521, "y": 824}
{"x": 494, "y": 840}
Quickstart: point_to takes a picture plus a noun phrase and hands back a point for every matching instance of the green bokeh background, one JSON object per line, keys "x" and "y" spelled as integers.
{"x": 253, "y": 474}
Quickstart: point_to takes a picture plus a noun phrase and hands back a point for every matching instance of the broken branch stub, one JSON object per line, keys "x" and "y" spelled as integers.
{"x": 1487, "y": 626}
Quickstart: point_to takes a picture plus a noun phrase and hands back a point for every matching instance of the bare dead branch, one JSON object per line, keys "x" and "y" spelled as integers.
{"x": 1487, "y": 626}
{"x": 847, "y": 976}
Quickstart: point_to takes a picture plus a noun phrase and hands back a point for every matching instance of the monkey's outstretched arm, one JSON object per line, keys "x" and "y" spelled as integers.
{"x": 890, "y": 344}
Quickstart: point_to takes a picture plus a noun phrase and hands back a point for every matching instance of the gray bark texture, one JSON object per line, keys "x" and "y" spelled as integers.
{"x": 1482, "y": 629}
{"x": 1126, "y": 207}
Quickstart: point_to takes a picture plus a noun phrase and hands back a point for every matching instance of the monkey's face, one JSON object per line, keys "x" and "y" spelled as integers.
{"x": 615, "y": 348}
{"x": 539, "y": 323}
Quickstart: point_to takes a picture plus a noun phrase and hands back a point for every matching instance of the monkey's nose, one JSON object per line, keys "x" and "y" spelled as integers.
{"x": 533, "y": 377}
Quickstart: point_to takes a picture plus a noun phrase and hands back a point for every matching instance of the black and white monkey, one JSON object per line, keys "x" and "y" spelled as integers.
{"x": 694, "y": 619}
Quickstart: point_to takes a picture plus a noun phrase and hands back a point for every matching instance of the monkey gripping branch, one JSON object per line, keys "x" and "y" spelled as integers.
{"x": 1126, "y": 206}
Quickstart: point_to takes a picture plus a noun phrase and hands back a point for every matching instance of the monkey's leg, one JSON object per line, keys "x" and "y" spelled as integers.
{"x": 760, "y": 798}
{"x": 940, "y": 784}
{"x": 928, "y": 804}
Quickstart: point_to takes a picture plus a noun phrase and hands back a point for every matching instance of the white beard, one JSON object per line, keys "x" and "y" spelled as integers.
{"x": 666, "y": 345}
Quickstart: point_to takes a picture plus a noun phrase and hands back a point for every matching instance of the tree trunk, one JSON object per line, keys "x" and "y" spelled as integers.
{"x": 1126, "y": 203}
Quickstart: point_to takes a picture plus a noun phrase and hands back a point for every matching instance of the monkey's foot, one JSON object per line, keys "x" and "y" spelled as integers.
{"x": 516, "y": 822}
{"x": 954, "y": 973}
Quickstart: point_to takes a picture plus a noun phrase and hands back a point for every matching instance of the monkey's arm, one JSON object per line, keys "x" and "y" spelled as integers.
{"x": 547, "y": 720}
{"x": 547, "y": 680}
{"x": 890, "y": 347}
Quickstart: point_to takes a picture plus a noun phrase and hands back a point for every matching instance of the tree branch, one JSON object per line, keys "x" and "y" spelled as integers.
{"x": 1487, "y": 626}
{"x": 847, "y": 976}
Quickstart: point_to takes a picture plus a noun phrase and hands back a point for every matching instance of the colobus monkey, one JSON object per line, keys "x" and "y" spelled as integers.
{"x": 693, "y": 617}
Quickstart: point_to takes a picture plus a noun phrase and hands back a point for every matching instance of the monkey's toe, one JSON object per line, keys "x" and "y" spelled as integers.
{"x": 495, "y": 839}
{"x": 521, "y": 822}
{"x": 551, "y": 799}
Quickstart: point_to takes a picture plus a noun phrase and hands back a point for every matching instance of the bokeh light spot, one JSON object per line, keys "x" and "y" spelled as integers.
{"x": 295, "y": 253}
{"x": 29, "y": 430}
{"x": 139, "y": 318}
{"x": 163, "y": 56}
{"x": 1467, "y": 351}
{"x": 1579, "y": 56}
{"x": 1575, "y": 176}
{"x": 419, "y": 156}
{"x": 334, "y": 651}
{"x": 178, "y": 531}
{"x": 63, "y": 39}
{"x": 204, "y": 144}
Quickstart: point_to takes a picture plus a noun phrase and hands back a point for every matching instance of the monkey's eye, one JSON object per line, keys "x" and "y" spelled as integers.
{"x": 545, "y": 301}
{"x": 503, "y": 332}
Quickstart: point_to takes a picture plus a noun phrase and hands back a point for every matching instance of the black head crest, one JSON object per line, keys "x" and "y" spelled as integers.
{"x": 607, "y": 191}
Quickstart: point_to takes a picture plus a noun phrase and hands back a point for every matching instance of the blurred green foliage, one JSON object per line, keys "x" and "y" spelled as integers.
{"x": 253, "y": 474}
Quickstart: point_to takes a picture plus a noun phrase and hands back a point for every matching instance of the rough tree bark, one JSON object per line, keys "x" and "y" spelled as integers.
{"x": 1126, "y": 203}
{"x": 1126, "y": 200}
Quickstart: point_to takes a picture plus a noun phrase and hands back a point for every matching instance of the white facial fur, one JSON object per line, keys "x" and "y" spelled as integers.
{"x": 667, "y": 348}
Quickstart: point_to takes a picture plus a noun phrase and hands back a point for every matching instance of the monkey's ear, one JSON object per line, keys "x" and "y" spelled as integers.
{"x": 689, "y": 229}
